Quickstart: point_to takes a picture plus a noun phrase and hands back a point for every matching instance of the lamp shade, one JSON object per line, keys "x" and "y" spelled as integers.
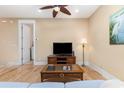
{"x": 84, "y": 41}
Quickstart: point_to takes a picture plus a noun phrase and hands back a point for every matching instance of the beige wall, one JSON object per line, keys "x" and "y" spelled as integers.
{"x": 60, "y": 30}
{"x": 8, "y": 42}
{"x": 47, "y": 32}
{"x": 109, "y": 57}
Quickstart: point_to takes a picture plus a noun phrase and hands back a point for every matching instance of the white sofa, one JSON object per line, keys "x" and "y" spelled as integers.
{"x": 74, "y": 84}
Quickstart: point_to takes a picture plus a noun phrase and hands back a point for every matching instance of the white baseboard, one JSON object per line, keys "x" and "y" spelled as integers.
{"x": 17, "y": 63}
{"x": 40, "y": 63}
{"x": 81, "y": 63}
{"x": 102, "y": 71}
{"x": 11, "y": 63}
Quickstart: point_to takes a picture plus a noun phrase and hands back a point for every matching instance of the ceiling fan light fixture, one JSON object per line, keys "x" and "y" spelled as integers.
{"x": 57, "y": 9}
{"x": 39, "y": 10}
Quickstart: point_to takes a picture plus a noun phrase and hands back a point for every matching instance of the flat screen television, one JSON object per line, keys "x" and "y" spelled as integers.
{"x": 62, "y": 48}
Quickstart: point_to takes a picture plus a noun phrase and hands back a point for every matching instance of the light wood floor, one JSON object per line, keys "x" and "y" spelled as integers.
{"x": 31, "y": 73}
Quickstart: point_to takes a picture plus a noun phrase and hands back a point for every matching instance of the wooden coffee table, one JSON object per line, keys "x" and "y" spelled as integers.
{"x": 62, "y": 72}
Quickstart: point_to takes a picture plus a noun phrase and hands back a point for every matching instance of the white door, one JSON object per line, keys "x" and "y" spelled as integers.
{"x": 26, "y": 43}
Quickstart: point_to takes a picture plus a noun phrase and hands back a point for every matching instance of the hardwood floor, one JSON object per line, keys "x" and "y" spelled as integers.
{"x": 31, "y": 73}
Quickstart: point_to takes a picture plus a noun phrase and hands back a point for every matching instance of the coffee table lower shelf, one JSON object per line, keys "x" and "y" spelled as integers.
{"x": 61, "y": 77}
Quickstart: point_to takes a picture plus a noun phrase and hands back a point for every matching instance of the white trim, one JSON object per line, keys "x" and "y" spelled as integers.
{"x": 81, "y": 63}
{"x": 10, "y": 63}
{"x": 41, "y": 63}
{"x": 13, "y": 63}
{"x": 20, "y": 22}
{"x": 102, "y": 71}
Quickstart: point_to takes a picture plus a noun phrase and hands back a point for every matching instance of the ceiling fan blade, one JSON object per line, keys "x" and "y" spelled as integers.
{"x": 47, "y": 7}
{"x": 62, "y": 5}
{"x": 64, "y": 10}
{"x": 54, "y": 13}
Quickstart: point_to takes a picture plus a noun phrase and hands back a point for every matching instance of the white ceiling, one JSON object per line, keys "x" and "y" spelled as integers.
{"x": 31, "y": 11}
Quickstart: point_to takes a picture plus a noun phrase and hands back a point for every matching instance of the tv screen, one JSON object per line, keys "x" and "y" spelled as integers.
{"x": 62, "y": 48}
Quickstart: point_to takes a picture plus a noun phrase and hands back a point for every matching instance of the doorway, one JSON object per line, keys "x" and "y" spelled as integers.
{"x": 26, "y": 41}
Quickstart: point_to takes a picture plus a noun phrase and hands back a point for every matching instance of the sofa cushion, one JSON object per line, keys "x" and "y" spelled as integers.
{"x": 14, "y": 85}
{"x": 84, "y": 84}
{"x": 47, "y": 85}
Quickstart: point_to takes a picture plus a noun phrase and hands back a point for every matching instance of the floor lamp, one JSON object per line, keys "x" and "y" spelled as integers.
{"x": 83, "y": 42}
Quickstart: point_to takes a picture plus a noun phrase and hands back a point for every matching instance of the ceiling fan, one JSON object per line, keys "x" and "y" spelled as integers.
{"x": 56, "y": 9}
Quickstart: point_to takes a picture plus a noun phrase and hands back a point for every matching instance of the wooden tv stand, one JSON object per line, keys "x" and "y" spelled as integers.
{"x": 54, "y": 59}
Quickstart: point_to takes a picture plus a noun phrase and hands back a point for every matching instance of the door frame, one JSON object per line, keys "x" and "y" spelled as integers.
{"x": 20, "y": 23}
